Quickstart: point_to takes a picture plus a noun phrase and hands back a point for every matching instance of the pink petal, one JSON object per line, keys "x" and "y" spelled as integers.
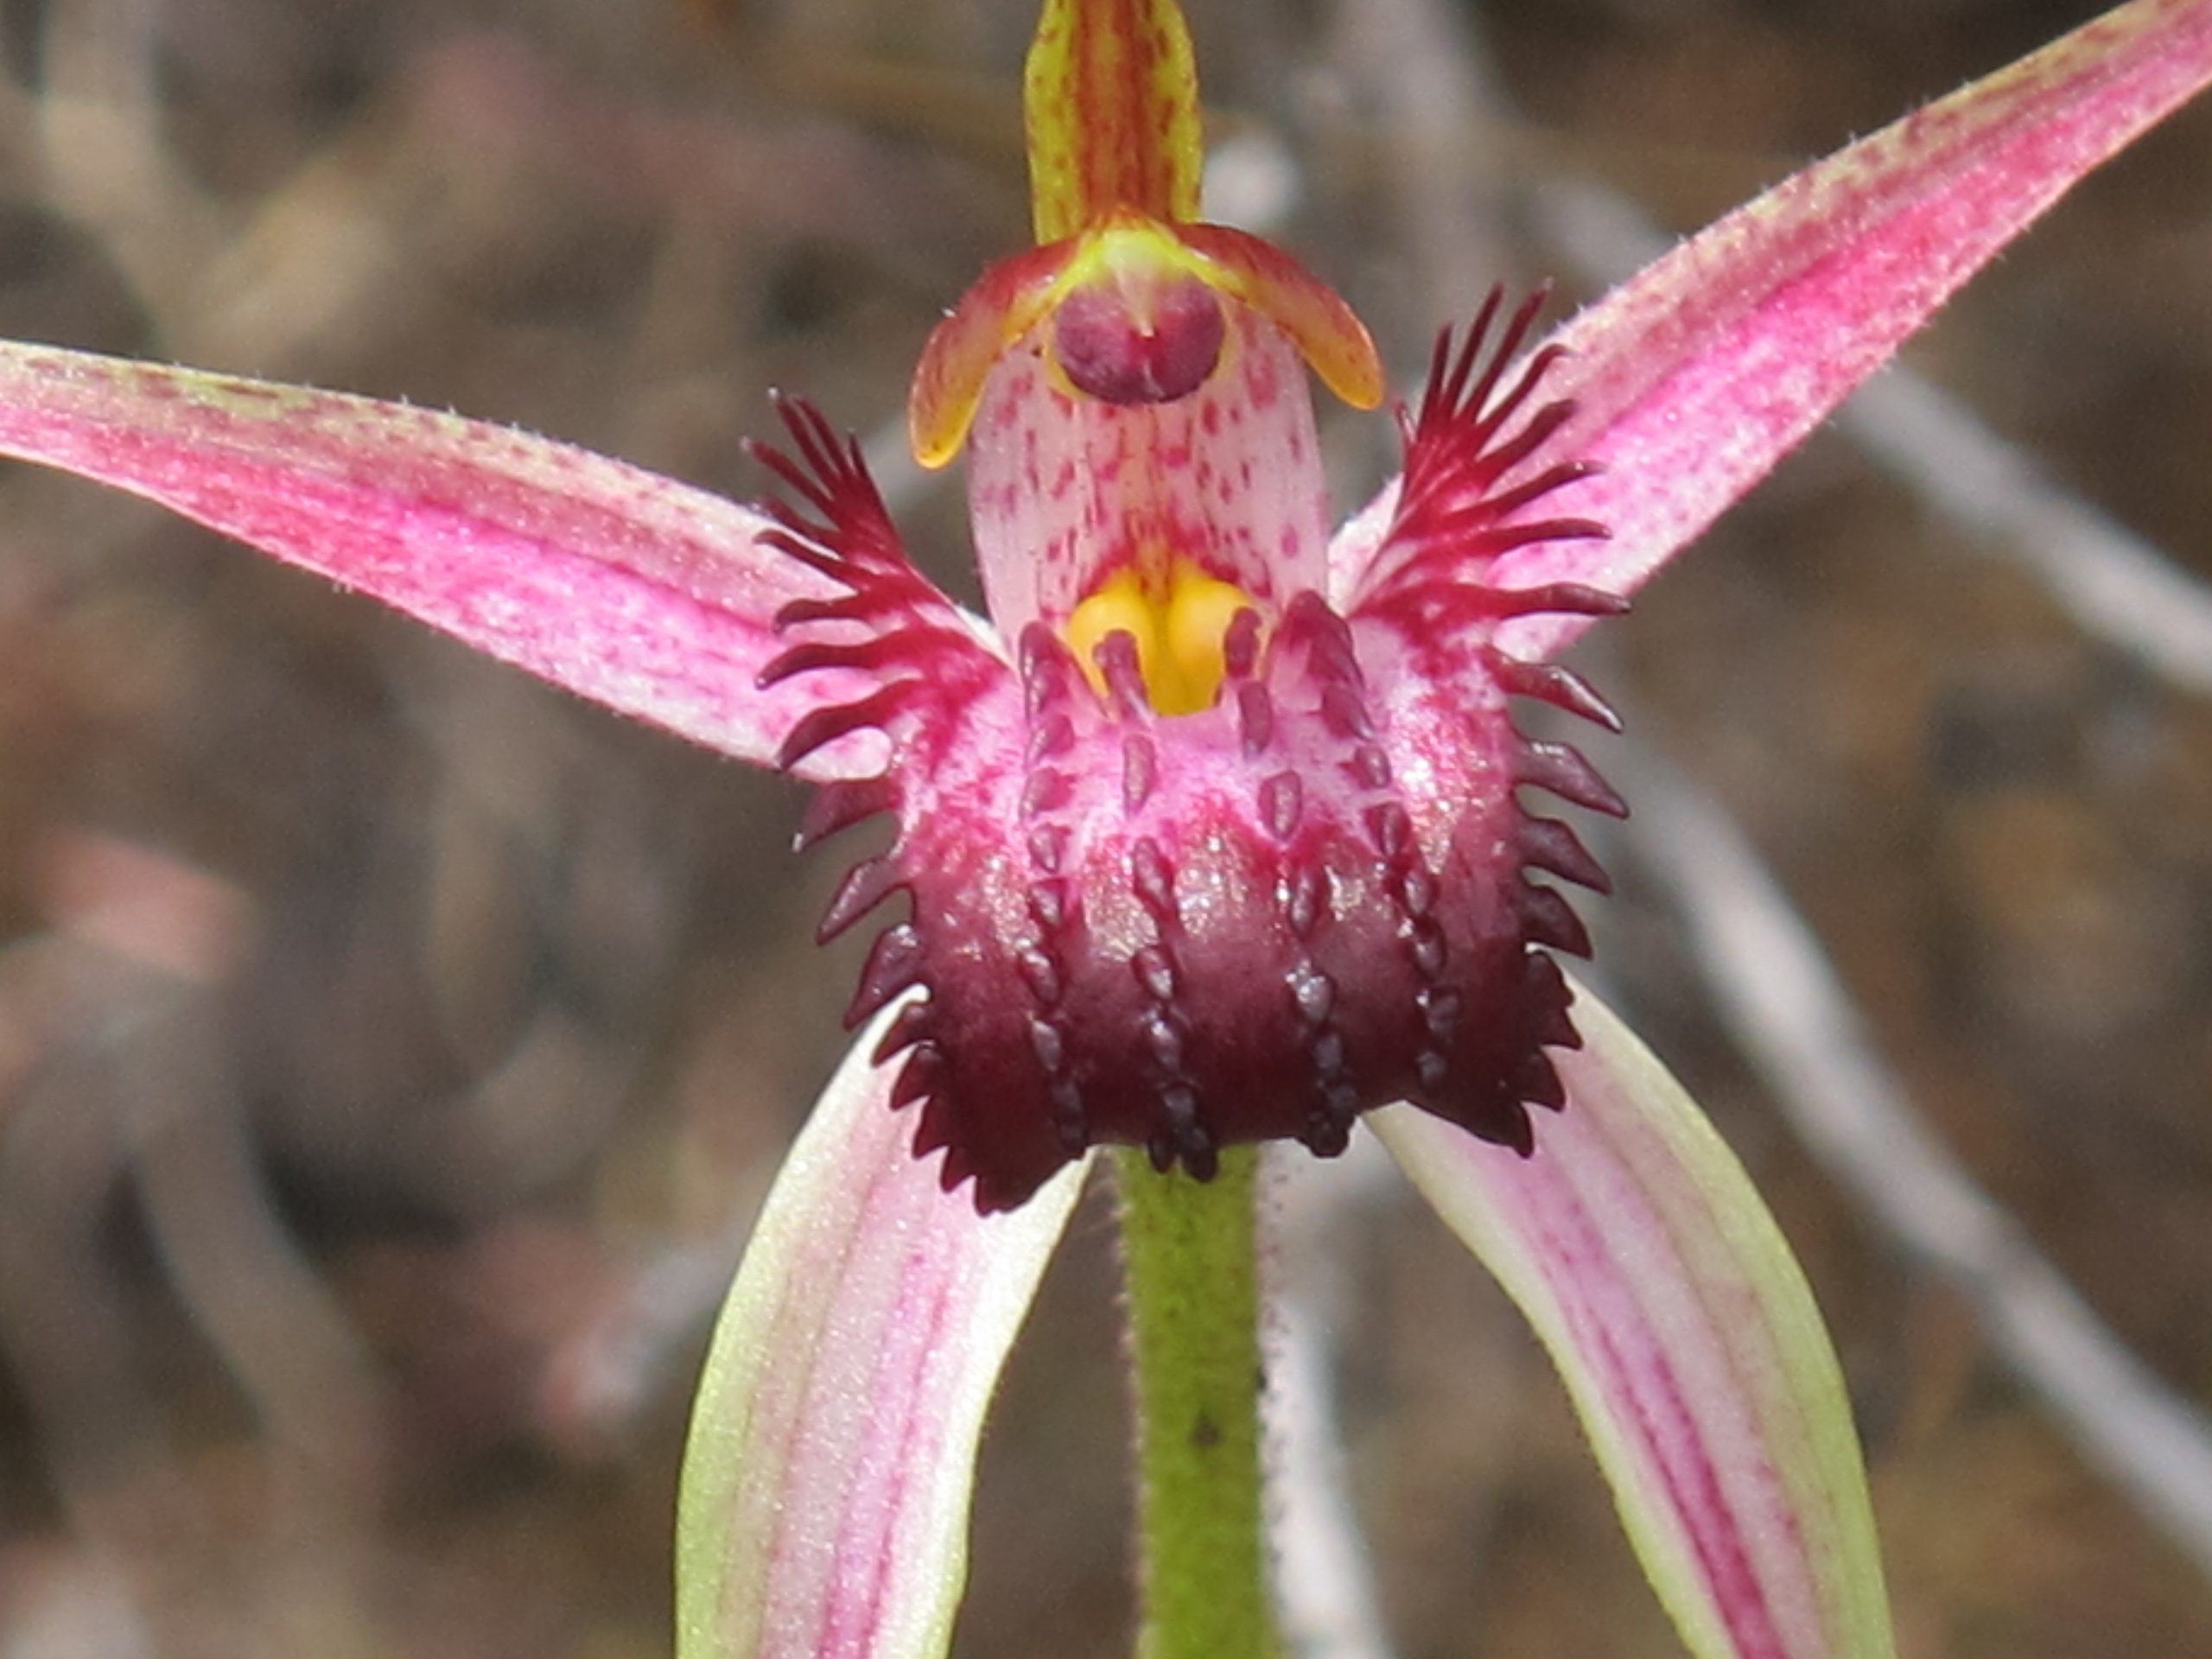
{"x": 1696, "y": 376}
{"x": 824, "y": 1505}
{"x": 1333, "y": 340}
{"x": 1006, "y": 301}
{"x": 1685, "y": 1333}
{"x": 631, "y": 589}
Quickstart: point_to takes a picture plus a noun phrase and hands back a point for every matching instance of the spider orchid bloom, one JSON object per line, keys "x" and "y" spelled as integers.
{"x": 1211, "y": 835}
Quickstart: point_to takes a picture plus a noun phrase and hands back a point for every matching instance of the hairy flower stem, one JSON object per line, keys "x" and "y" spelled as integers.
{"x": 1190, "y": 1256}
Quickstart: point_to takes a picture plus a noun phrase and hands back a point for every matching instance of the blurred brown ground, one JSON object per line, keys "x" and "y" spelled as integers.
{"x": 389, "y": 1045}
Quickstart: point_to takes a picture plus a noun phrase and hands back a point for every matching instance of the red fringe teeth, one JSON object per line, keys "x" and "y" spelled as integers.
{"x": 1320, "y": 895}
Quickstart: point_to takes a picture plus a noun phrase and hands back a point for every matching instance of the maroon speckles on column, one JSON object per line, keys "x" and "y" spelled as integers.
{"x": 1064, "y": 487}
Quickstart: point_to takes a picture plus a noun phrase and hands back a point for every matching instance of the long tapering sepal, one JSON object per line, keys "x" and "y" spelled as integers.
{"x": 631, "y": 589}
{"x": 824, "y": 1505}
{"x": 1685, "y": 1333}
{"x": 1691, "y": 380}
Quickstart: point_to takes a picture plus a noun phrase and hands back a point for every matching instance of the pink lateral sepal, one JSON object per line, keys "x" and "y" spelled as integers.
{"x": 1693, "y": 378}
{"x": 1685, "y": 1333}
{"x": 823, "y": 1512}
{"x": 631, "y": 589}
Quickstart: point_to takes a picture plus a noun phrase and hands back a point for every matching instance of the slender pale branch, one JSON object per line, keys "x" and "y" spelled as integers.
{"x": 1328, "y": 1601}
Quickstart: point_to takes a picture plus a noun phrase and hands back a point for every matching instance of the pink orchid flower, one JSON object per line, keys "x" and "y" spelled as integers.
{"x": 1211, "y": 835}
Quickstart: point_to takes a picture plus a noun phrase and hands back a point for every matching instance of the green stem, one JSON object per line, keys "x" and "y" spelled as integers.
{"x": 1194, "y": 1338}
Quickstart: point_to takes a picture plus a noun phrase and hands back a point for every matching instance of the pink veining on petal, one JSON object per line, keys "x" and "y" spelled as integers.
{"x": 1640, "y": 1253}
{"x": 868, "y": 1440}
{"x": 628, "y": 588}
{"x": 1724, "y": 1494}
{"x": 1063, "y": 488}
{"x": 833, "y": 1446}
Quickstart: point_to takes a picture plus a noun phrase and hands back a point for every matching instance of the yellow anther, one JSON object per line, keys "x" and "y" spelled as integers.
{"x": 1179, "y": 626}
{"x": 1200, "y": 607}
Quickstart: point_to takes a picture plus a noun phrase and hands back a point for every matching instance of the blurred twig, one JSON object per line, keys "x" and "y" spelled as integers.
{"x": 1423, "y": 69}
{"x": 1330, "y": 1609}
{"x": 116, "y": 1018}
{"x": 101, "y": 150}
{"x": 1786, "y": 1006}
